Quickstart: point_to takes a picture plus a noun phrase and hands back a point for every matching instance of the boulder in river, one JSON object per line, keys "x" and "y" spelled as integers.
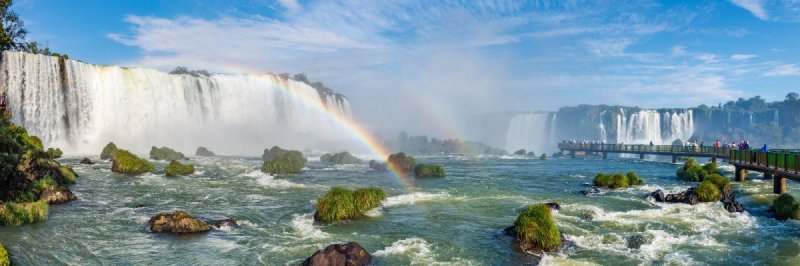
{"x": 636, "y": 241}
{"x": 177, "y": 222}
{"x": 340, "y": 254}
{"x": 690, "y": 197}
{"x": 57, "y": 196}
{"x": 86, "y": 161}
{"x": 224, "y": 222}
{"x": 590, "y": 191}
{"x": 554, "y": 206}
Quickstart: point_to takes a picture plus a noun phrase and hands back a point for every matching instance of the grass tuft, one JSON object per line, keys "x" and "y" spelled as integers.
{"x": 537, "y": 226}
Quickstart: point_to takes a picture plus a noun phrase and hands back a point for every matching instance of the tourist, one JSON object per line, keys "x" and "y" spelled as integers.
{"x": 764, "y": 149}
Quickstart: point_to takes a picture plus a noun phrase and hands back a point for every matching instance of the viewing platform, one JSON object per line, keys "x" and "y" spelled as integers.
{"x": 643, "y": 149}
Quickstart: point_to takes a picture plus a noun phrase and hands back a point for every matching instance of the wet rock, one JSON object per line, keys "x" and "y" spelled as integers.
{"x": 588, "y": 216}
{"x": 730, "y": 203}
{"x": 224, "y": 222}
{"x": 590, "y": 191}
{"x": 178, "y": 222}
{"x": 688, "y": 197}
{"x": 554, "y": 206}
{"x": 379, "y": 167}
{"x": 137, "y": 206}
{"x": 691, "y": 199}
{"x": 57, "y": 196}
{"x": 340, "y": 254}
{"x": 659, "y": 196}
{"x": 86, "y": 161}
{"x": 636, "y": 241}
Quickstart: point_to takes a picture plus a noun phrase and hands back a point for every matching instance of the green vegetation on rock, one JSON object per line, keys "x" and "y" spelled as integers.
{"x": 707, "y": 191}
{"x": 691, "y": 171}
{"x": 722, "y": 183}
{"x": 280, "y": 161}
{"x": 429, "y": 170}
{"x": 177, "y": 222}
{"x": 617, "y": 180}
{"x": 342, "y": 204}
{"x": 125, "y": 162}
{"x": 536, "y": 226}
{"x": 543, "y": 157}
{"x": 401, "y": 162}
{"x": 634, "y": 179}
{"x": 339, "y": 158}
{"x": 785, "y": 207}
{"x": 108, "y": 151}
{"x": 521, "y": 152}
{"x": 15, "y": 214}
{"x": 165, "y": 154}
{"x": 203, "y": 152}
{"x": 4, "y": 261}
{"x": 175, "y": 169}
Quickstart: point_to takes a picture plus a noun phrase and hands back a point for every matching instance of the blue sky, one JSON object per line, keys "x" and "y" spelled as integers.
{"x": 448, "y": 58}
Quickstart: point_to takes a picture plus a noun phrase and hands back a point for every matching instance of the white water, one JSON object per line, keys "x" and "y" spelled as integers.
{"x": 81, "y": 107}
{"x": 531, "y": 132}
{"x": 660, "y": 128}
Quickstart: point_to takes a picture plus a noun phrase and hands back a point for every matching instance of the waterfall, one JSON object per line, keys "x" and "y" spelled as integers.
{"x": 603, "y": 133}
{"x": 80, "y": 107}
{"x": 529, "y": 131}
{"x": 659, "y": 127}
{"x": 553, "y": 129}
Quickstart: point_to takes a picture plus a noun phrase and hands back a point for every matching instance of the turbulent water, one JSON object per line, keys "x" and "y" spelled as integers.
{"x": 457, "y": 220}
{"x": 80, "y": 107}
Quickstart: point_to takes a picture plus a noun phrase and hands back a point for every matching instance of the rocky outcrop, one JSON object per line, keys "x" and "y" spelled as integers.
{"x": 224, "y": 222}
{"x": 178, "y": 222}
{"x": 86, "y": 161}
{"x": 57, "y": 196}
{"x": 554, "y": 206}
{"x": 730, "y": 203}
{"x": 378, "y": 167}
{"x": 690, "y": 197}
{"x": 340, "y": 254}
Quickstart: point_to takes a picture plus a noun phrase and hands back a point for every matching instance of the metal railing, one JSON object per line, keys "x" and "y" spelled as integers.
{"x": 779, "y": 160}
{"x": 644, "y": 148}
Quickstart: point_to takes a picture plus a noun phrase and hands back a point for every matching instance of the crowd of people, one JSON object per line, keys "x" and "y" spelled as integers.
{"x": 742, "y": 145}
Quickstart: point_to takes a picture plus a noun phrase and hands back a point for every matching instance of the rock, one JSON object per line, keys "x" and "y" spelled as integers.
{"x": 553, "y": 206}
{"x": 590, "y": 191}
{"x": 587, "y": 215}
{"x": 691, "y": 199}
{"x": 177, "y": 222}
{"x": 636, "y": 241}
{"x": 731, "y": 205}
{"x": 379, "y": 167}
{"x": 340, "y": 254}
{"x": 57, "y": 196}
{"x": 86, "y": 161}
{"x": 658, "y": 195}
{"x": 224, "y": 222}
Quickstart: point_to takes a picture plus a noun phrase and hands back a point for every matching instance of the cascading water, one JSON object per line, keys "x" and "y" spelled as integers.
{"x": 80, "y": 107}
{"x": 531, "y": 132}
{"x": 659, "y": 127}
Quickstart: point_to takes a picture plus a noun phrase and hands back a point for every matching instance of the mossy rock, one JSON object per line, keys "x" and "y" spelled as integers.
{"x": 272, "y": 153}
{"x": 178, "y": 222}
{"x": 125, "y": 162}
{"x": 203, "y": 152}
{"x": 521, "y": 152}
{"x": 693, "y": 172}
{"x": 707, "y": 191}
{"x": 722, "y": 183}
{"x": 16, "y": 214}
{"x": 165, "y": 154}
{"x": 175, "y": 169}
{"x": 69, "y": 175}
{"x": 108, "y": 151}
{"x": 401, "y": 162}
{"x": 530, "y": 154}
{"x": 615, "y": 181}
{"x": 339, "y": 158}
{"x": 342, "y": 204}
{"x": 535, "y": 228}
{"x": 785, "y": 207}
{"x": 634, "y": 179}
{"x": 429, "y": 170}
{"x": 4, "y": 260}
{"x": 543, "y": 157}
{"x": 287, "y": 162}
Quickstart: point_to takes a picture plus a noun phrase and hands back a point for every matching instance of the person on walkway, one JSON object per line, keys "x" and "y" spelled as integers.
{"x": 764, "y": 149}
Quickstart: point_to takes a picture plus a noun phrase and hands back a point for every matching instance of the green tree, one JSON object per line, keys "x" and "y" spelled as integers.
{"x": 13, "y": 29}
{"x": 792, "y": 97}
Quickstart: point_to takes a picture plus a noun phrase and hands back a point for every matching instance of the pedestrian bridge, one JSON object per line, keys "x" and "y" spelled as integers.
{"x": 643, "y": 149}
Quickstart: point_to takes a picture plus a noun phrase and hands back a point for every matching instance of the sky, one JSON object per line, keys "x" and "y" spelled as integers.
{"x": 433, "y": 65}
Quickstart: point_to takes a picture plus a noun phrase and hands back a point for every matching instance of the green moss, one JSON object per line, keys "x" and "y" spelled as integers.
{"x": 342, "y": 204}
{"x": 287, "y": 162}
{"x": 634, "y": 179}
{"x": 175, "y": 169}
{"x": 402, "y": 162}
{"x": 54, "y": 153}
{"x": 708, "y": 192}
{"x": 165, "y": 154}
{"x": 202, "y": 151}
{"x": 16, "y": 214}
{"x": 69, "y": 175}
{"x": 722, "y": 183}
{"x": 429, "y": 170}
{"x": 785, "y": 207}
{"x": 537, "y": 227}
{"x": 125, "y": 162}
{"x": 693, "y": 172}
{"x": 617, "y": 180}
{"x": 339, "y": 158}
{"x": 4, "y": 261}
{"x": 108, "y": 151}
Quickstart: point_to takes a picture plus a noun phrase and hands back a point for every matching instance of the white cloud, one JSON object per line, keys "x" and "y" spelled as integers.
{"x": 783, "y": 70}
{"x": 608, "y": 47}
{"x": 678, "y": 50}
{"x": 291, "y": 5}
{"x": 756, "y": 7}
{"x": 707, "y": 58}
{"x": 743, "y": 56}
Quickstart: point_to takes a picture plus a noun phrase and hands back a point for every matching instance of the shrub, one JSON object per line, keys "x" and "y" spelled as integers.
{"x": 54, "y": 153}
{"x": 708, "y": 192}
{"x": 543, "y": 157}
{"x": 402, "y": 162}
{"x": 289, "y": 162}
{"x": 202, "y": 151}
{"x": 342, "y": 204}
{"x": 125, "y": 162}
{"x": 616, "y": 180}
{"x": 633, "y": 179}
{"x": 339, "y": 158}
{"x": 4, "y": 261}
{"x": 531, "y": 154}
{"x": 69, "y": 175}
{"x": 722, "y": 183}
{"x": 693, "y": 172}
{"x": 429, "y": 170}
{"x": 272, "y": 153}
{"x": 785, "y": 207}
{"x": 165, "y": 154}
{"x": 175, "y": 169}
{"x": 16, "y": 214}
{"x": 521, "y": 152}
{"x": 108, "y": 151}
{"x": 537, "y": 227}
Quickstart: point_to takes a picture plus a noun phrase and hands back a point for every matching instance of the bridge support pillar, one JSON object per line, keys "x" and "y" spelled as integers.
{"x": 641, "y": 156}
{"x": 741, "y": 174}
{"x": 767, "y": 176}
{"x": 780, "y": 184}
{"x": 572, "y": 154}
{"x": 605, "y": 155}
{"x": 674, "y": 158}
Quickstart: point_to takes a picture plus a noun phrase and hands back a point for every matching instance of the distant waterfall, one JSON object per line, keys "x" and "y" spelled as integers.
{"x": 530, "y": 131}
{"x": 659, "y": 127}
{"x": 80, "y": 107}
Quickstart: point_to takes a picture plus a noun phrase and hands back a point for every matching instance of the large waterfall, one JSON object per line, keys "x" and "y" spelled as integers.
{"x": 80, "y": 107}
{"x": 662, "y": 127}
{"x": 531, "y": 131}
